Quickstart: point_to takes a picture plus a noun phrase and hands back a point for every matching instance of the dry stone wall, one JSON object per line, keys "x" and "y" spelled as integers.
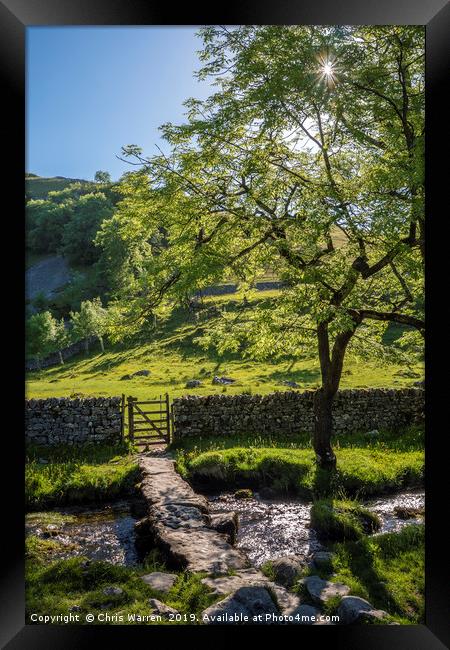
{"x": 61, "y": 420}
{"x": 53, "y": 358}
{"x": 292, "y": 412}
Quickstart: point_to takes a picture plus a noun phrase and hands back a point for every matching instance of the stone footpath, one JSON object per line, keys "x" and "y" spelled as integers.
{"x": 178, "y": 522}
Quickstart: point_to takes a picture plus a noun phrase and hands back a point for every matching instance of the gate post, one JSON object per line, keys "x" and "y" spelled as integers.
{"x": 130, "y": 418}
{"x": 168, "y": 418}
{"x": 122, "y": 412}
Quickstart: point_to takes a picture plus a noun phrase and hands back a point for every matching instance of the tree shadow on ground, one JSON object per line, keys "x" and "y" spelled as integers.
{"x": 305, "y": 376}
{"x": 361, "y": 562}
{"x": 359, "y": 554}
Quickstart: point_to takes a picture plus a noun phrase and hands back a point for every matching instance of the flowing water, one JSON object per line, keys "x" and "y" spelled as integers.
{"x": 104, "y": 533}
{"x": 269, "y": 529}
{"x": 391, "y": 510}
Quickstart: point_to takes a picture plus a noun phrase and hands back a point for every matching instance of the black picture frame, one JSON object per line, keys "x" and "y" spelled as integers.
{"x": 15, "y": 17}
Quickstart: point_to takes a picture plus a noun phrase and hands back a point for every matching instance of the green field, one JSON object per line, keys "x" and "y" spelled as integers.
{"x": 172, "y": 358}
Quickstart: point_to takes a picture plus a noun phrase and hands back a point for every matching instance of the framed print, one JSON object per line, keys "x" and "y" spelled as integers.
{"x": 233, "y": 416}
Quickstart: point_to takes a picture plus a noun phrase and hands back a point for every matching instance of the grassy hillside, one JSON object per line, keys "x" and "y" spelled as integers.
{"x": 172, "y": 359}
{"x": 37, "y": 187}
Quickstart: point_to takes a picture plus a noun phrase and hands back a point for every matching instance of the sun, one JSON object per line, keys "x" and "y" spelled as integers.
{"x": 327, "y": 69}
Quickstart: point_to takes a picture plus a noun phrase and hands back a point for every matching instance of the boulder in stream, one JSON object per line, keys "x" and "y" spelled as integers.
{"x": 287, "y": 570}
{"x": 244, "y": 493}
{"x": 226, "y": 523}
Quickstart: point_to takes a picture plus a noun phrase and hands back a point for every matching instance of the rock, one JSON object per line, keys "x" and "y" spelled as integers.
{"x": 225, "y": 585}
{"x": 351, "y": 607}
{"x": 267, "y": 493}
{"x": 287, "y": 570}
{"x": 291, "y": 384}
{"x": 113, "y": 591}
{"x": 198, "y": 549}
{"x": 247, "y": 605}
{"x": 372, "y": 616}
{"x": 321, "y": 590}
{"x": 226, "y": 523}
{"x": 160, "y": 609}
{"x": 372, "y": 434}
{"x": 243, "y": 494}
{"x": 160, "y": 581}
{"x": 175, "y": 515}
{"x": 75, "y": 608}
{"x": 51, "y": 530}
{"x": 125, "y": 377}
{"x": 223, "y": 380}
{"x": 141, "y": 373}
{"x": 322, "y": 558}
{"x": 193, "y": 383}
{"x": 306, "y": 611}
{"x": 404, "y": 512}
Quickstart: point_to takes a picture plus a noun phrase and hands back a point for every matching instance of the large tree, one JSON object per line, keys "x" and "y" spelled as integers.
{"x": 308, "y": 159}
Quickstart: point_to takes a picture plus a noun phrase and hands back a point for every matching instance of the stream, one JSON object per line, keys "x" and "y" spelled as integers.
{"x": 271, "y": 528}
{"x": 104, "y": 533}
{"x": 268, "y": 528}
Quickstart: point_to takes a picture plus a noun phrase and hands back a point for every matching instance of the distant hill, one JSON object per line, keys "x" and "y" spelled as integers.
{"x": 37, "y": 187}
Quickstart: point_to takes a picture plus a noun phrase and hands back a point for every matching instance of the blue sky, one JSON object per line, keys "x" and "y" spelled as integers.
{"x": 91, "y": 90}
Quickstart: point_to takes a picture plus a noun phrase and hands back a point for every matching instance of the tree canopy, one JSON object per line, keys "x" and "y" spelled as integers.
{"x": 308, "y": 159}
{"x": 90, "y": 321}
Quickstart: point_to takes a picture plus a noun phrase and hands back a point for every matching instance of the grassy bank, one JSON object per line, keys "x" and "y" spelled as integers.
{"x": 387, "y": 570}
{"x": 338, "y": 520}
{"x": 66, "y": 475}
{"x": 364, "y": 467}
{"x": 57, "y": 587}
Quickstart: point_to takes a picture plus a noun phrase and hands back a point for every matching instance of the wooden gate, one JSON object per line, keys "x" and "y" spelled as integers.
{"x": 150, "y": 426}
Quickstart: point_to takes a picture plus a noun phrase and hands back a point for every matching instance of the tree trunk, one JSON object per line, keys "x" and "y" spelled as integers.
{"x": 331, "y": 370}
{"x": 61, "y": 360}
{"x": 323, "y": 428}
{"x": 100, "y": 338}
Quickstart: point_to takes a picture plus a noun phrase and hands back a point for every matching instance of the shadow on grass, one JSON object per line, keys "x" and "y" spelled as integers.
{"x": 361, "y": 562}
{"x": 305, "y": 376}
{"x": 75, "y": 456}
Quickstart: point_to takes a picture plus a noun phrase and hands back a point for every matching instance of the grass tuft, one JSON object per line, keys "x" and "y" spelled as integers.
{"x": 335, "y": 520}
